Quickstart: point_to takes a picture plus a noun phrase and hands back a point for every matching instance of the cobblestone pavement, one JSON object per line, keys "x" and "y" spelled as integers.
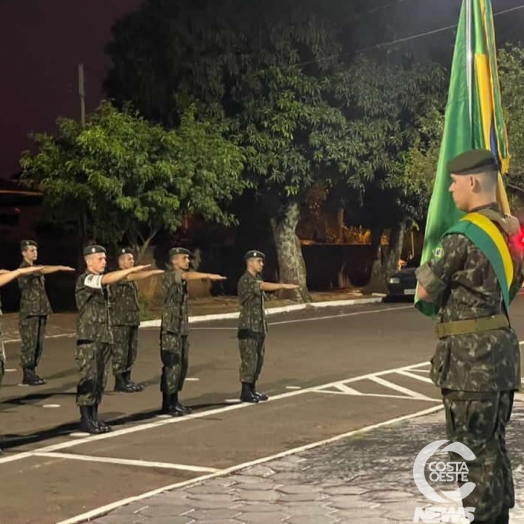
{"x": 365, "y": 479}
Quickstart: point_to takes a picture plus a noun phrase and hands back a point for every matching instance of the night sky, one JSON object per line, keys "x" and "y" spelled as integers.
{"x": 41, "y": 44}
{"x": 43, "y": 41}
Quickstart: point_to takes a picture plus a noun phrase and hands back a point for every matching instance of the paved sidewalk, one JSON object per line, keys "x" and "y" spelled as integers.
{"x": 365, "y": 479}
{"x": 65, "y": 323}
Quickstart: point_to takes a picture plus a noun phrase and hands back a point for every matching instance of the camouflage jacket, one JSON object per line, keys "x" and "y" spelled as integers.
{"x": 92, "y": 302}
{"x": 123, "y": 301}
{"x": 33, "y": 296}
{"x": 462, "y": 283}
{"x": 251, "y": 297}
{"x": 175, "y": 314}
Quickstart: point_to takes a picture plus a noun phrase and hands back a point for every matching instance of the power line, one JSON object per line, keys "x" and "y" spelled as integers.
{"x": 428, "y": 33}
{"x": 382, "y": 7}
{"x": 509, "y": 10}
{"x": 408, "y": 38}
{"x": 398, "y": 40}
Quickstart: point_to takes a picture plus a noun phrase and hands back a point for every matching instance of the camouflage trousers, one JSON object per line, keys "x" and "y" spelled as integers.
{"x": 252, "y": 351}
{"x": 32, "y": 333}
{"x": 480, "y": 424}
{"x": 92, "y": 359}
{"x": 174, "y": 352}
{"x": 125, "y": 348}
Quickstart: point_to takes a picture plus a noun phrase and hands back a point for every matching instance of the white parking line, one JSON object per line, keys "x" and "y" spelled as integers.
{"x": 90, "y": 515}
{"x": 416, "y": 377}
{"x": 127, "y": 462}
{"x": 178, "y": 420}
{"x": 341, "y": 315}
{"x": 400, "y": 389}
{"x": 378, "y": 395}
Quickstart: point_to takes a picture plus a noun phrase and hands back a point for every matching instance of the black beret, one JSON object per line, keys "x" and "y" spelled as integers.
{"x": 473, "y": 162}
{"x": 27, "y": 243}
{"x": 124, "y": 251}
{"x": 254, "y": 254}
{"x": 92, "y": 250}
{"x": 178, "y": 251}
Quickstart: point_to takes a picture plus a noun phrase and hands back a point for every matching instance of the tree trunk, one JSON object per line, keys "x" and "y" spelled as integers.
{"x": 376, "y": 281}
{"x": 289, "y": 252}
{"x": 396, "y": 242}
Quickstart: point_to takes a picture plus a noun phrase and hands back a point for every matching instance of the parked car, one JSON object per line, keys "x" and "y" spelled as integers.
{"x": 403, "y": 282}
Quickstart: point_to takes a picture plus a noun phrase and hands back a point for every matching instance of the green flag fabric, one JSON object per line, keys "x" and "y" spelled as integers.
{"x": 473, "y": 120}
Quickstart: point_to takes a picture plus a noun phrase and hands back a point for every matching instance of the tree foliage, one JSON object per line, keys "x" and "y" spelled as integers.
{"x": 124, "y": 177}
{"x": 284, "y": 75}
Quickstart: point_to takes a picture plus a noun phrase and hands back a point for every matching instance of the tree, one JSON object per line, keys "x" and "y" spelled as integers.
{"x": 281, "y": 74}
{"x": 399, "y": 103}
{"x": 423, "y": 157}
{"x": 511, "y": 74}
{"x": 123, "y": 177}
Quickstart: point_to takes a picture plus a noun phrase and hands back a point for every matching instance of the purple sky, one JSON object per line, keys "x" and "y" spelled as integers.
{"x": 41, "y": 44}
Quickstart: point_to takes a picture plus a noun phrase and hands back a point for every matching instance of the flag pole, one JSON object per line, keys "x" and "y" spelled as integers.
{"x": 469, "y": 59}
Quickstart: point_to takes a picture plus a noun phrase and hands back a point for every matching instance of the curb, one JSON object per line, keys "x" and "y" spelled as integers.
{"x": 274, "y": 311}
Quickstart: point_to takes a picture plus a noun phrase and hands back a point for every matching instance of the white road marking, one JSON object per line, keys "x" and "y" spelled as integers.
{"x": 114, "y": 505}
{"x": 127, "y": 462}
{"x": 378, "y": 395}
{"x": 51, "y": 406}
{"x": 177, "y": 420}
{"x": 346, "y": 390}
{"x": 400, "y": 389}
{"x": 416, "y": 377}
{"x": 192, "y": 379}
{"x": 342, "y": 388}
{"x": 341, "y": 315}
{"x": 10, "y": 370}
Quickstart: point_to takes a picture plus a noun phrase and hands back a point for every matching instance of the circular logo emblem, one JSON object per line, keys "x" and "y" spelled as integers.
{"x": 441, "y": 471}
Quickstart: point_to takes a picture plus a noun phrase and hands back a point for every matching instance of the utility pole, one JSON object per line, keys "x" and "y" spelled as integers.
{"x": 81, "y": 93}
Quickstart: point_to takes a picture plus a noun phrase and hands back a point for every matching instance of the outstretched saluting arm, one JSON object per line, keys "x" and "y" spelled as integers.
{"x": 7, "y": 276}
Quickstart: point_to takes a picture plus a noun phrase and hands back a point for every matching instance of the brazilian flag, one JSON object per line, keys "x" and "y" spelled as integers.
{"x": 473, "y": 120}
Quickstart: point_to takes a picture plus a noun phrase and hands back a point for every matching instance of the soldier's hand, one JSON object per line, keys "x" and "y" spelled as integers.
{"x": 66, "y": 268}
{"x": 291, "y": 286}
{"x": 215, "y": 278}
{"x": 140, "y": 268}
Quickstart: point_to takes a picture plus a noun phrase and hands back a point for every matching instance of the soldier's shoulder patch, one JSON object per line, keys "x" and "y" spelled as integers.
{"x": 438, "y": 253}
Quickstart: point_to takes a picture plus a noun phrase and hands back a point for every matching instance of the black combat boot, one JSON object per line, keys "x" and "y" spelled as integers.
{"x": 247, "y": 394}
{"x": 104, "y": 426}
{"x": 169, "y": 406}
{"x": 136, "y": 387}
{"x": 260, "y": 396}
{"x": 31, "y": 378}
{"x": 122, "y": 385}
{"x": 87, "y": 423}
{"x": 186, "y": 410}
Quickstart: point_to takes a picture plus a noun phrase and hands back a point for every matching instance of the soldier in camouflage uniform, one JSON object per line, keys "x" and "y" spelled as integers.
{"x": 477, "y": 360}
{"x": 6, "y": 277}
{"x": 34, "y": 309}
{"x": 125, "y": 320}
{"x": 252, "y": 327}
{"x": 174, "y": 330}
{"x": 94, "y": 338}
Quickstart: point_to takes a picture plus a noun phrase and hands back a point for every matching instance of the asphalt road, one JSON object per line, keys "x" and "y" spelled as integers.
{"x": 328, "y": 373}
